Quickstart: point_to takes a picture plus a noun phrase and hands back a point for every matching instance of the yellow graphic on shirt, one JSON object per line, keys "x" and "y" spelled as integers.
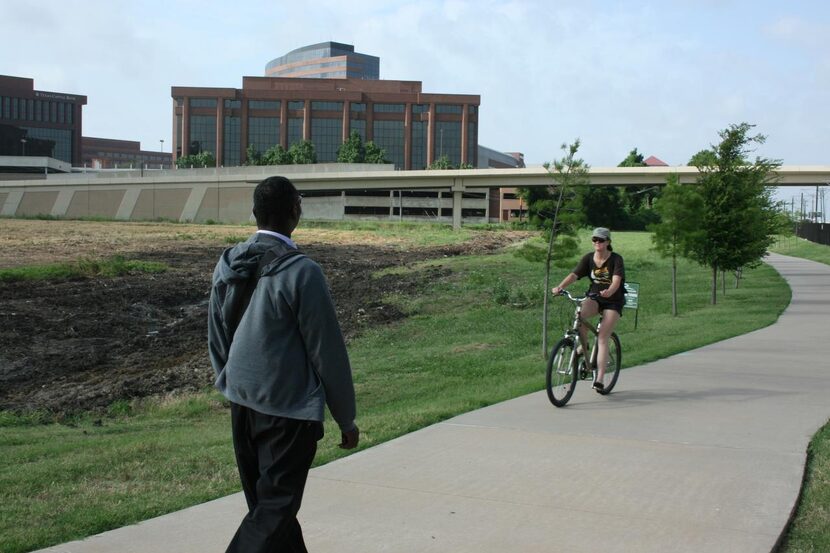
{"x": 601, "y": 275}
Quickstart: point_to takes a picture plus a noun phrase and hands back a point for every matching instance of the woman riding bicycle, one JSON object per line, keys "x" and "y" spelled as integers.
{"x": 607, "y": 273}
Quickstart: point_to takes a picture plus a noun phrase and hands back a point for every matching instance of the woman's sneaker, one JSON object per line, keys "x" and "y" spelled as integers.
{"x": 598, "y": 386}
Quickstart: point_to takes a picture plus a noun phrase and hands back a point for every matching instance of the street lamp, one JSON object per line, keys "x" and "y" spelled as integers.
{"x": 161, "y": 141}
{"x": 23, "y": 146}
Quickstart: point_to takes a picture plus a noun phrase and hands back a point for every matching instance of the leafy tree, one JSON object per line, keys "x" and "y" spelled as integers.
{"x": 202, "y": 159}
{"x": 352, "y": 150}
{"x": 302, "y": 153}
{"x": 252, "y": 156}
{"x": 739, "y": 217}
{"x": 681, "y": 209}
{"x": 704, "y": 159}
{"x": 637, "y": 199}
{"x": 564, "y": 218}
{"x": 442, "y": 162}
{"x": 374, "y": 153}
{"x": 603, "y": 206}
{"x": 276, "y": 155}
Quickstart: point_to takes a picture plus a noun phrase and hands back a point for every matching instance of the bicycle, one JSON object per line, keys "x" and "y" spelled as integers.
{"x": 566, "y": 363}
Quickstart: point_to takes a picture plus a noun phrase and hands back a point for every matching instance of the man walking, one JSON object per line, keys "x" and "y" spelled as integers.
{"x": 279, "y": 358}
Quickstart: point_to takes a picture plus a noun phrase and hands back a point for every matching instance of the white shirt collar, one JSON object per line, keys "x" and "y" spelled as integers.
{"x": 282, "y": 237}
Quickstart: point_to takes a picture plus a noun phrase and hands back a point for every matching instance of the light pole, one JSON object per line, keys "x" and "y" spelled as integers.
{"x": 23, "y": 146}
{"x": 161, "y": 141}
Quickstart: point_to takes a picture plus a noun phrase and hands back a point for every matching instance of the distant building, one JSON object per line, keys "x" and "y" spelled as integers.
{"x": 413, "y": 127}
{"x": 326, "y": 60}
{"x": 107, "y": 153}
{"x": 653, "y": 161}
{"x": 39, "y": 123}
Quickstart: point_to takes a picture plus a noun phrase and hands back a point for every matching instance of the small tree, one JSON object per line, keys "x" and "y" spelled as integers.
{"x": 202, "y": 159}
{"x": 442, "y": 162}
{"x": 680, "y": 209}
{"x": 739, "y": 216}
{"x": 567, "y": 173}
{"x": 352, "y": 150}
{"x": 374, "y": 153}
{"x": 252, "y": 156}
{"x": 276, "y": 155}
{"x": 302, "y": 153}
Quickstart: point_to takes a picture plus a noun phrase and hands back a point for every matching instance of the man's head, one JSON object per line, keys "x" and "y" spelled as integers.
{"x": 277, "y": 205}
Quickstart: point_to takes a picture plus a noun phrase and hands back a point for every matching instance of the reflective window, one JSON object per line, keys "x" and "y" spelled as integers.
{"x": 15, "y": 108}
{"x": 296, "y": 104}
{"x": 358, "y": 125}
{"x": 473, "y": 109}
{"x": 61, "y": 112}
{"x": 420, "y": 108}
{"x": 389, "y": 136}
{"x": 53, "y": 112}
{"x": 389, "y": 108}
{"x": 448, "y": 141}
{"x": 264, "y": 104}
{"x": 232, "y": 141}
{"x": 327, "y": 136}
{"x": 7, "y": 108}
{"x": 295, "y": 130}
{"x": 202, "y": 134}
{"x": 37, "y": 110}
{"x": 263, "y": 132}
{"x": 357, "y": 107}
{"x": 419, "y": 144}
{"x": 203, "y": 102}
{"x": 30, "y": 110}
{"x": 472, "y": 144}
{"x": 447, "y": 108}
{"x": 233, "y": 104}
{"x": 327, "y": 106}
{"x": 70, "y": 108}
{"x": 62, "y": 139}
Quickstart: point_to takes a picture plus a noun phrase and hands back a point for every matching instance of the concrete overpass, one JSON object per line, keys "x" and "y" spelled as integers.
{"x": 224, "y": 194}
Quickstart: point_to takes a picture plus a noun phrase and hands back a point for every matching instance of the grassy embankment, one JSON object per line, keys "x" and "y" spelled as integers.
{"x": 472, "y": 339}
{"x": 810, "y": 528}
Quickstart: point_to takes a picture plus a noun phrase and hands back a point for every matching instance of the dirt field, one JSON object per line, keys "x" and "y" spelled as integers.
{"x": 82, "y": 344}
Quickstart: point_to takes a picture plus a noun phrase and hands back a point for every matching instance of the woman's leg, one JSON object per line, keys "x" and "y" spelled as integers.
{"x": 609, "y": 321}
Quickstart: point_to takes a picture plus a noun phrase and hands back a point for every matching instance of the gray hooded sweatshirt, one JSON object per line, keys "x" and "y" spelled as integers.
{"x": 287, "y": 357}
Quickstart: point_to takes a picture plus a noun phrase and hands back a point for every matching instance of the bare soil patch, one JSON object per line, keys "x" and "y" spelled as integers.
{"x": 82, "y": 344}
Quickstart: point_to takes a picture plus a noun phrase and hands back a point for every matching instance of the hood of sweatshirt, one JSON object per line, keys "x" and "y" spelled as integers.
{"x": 239, "y": 262}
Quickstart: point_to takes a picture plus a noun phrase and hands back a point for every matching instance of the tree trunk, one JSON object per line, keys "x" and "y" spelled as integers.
{"x": 674, "y": 285}
{"x": 714, "y": 284}
{"x": 723, "y": 281}
{"x": 547, "y": 275}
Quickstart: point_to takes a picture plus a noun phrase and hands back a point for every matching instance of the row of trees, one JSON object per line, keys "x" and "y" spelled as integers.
{"x": 353, "y": 150}
{"x": 727, "y": 220}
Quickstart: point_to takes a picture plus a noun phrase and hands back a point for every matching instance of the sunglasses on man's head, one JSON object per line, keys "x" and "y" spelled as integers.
{"x": 595, "y": 239}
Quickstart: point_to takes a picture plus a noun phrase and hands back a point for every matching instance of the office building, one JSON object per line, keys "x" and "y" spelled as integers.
{"x": 108, "y": 153}
{"x": 413, "y": 127}
{"x": 39, "y": 123}
{"x": 327, "y": 60}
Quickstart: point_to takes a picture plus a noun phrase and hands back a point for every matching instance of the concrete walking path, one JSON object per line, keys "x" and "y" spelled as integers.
{"x": 703, "y": 451}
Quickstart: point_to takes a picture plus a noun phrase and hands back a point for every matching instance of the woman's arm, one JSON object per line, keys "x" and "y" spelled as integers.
{"x": 616, "y": 280}
{"x": 567, "y": 281}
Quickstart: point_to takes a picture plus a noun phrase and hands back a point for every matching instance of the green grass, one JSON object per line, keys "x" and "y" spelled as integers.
{"x": 799, "y": 247}
{"x": 462, "y": 347}
{"x": 411, "y": 233}
{"x": 115, "y": 266}
{"x": 810, "y": 528}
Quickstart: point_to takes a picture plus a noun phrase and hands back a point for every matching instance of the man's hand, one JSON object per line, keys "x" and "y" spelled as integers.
{"x": 350, "y": 439}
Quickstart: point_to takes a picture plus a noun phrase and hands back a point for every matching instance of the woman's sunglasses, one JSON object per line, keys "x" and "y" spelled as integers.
{"x": 595, "y": 239}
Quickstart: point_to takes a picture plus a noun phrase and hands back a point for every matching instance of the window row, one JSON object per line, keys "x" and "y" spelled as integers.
{"x": 28, "y": 109}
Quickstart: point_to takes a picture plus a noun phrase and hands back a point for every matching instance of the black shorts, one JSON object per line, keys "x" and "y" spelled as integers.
{"x": 608, "y": 304}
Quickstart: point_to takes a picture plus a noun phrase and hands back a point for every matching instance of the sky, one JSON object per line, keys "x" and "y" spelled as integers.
{"x": 660, "y": 76}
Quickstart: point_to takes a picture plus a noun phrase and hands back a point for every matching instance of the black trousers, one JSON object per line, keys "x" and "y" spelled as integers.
{"x": 274, "y": 455}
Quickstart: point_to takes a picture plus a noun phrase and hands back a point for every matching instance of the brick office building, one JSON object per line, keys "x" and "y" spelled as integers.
{"x": 39, "y": 123}
{"x": 108, "y": 153}
{"x": 415, "y": 128}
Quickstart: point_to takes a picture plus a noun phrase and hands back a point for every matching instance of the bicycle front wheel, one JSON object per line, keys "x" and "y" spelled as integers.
{"x": 612, "y": 369}
{"x": 560, "y": 379}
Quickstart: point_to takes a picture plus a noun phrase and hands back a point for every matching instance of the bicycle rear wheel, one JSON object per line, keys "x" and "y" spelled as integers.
{"x": 612, "y": 369}
{"x": 560, "y": 379}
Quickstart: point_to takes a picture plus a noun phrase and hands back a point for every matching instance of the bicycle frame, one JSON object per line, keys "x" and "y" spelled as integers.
{"x": 576, "y": 336}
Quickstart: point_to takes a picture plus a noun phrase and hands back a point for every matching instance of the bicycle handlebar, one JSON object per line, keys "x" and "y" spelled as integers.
{"x": 588, "y": 296}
